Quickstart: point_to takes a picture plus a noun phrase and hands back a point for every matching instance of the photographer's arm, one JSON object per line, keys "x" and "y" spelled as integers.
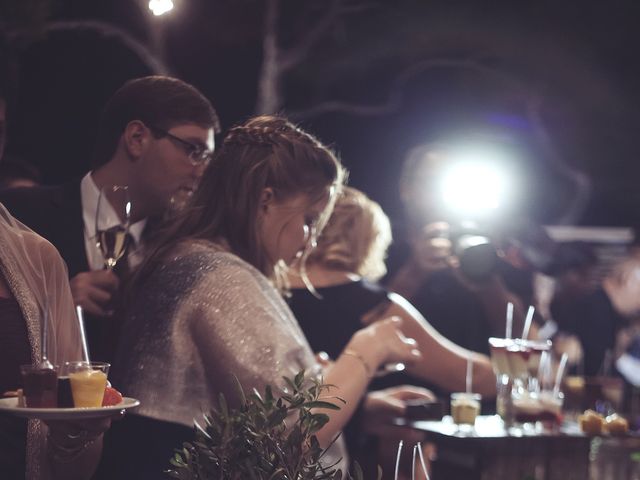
{"x": 444, "y": 363}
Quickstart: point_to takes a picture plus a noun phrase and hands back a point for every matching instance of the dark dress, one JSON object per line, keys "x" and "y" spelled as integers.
{"x": 328, "y": 323}
{"x": 14, "y": 351}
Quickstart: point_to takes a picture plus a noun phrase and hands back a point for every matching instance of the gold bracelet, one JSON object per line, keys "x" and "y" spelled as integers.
{"x": 365, "y": 364}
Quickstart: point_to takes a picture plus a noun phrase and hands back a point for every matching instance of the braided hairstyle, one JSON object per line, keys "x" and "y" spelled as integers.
{"x": 264, "y": 152}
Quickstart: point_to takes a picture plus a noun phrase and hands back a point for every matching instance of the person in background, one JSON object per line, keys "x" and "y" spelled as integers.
{"x": 574, "y": 275}
{"x": 335, "y": 291}
{"x": 600, "y": 316}
{"x": 465, "y": 310}
{"x": 18, "y": 174}
{"x": 156, "y": 136}
{"x": 33, "y": 279}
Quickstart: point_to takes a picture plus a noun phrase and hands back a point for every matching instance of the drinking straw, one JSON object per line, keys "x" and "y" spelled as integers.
{"x": 395, "y": 477}
{"x": 509, "y": 327}
{"x": 83, "y": 336}
{"x": 544, "y": 369}
{"x": 469, "y": 375}
{"x": 559, "y": 373}
{"x": 45, "y": 334}
{"x": 527, "y": 322}
{"x": 413, "y": 463}
{"x": 44, "y": 350}
{"x": 422, "y": 462}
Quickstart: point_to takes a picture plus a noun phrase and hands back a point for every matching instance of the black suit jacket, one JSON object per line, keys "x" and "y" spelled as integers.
{"x": 56, "y": 214}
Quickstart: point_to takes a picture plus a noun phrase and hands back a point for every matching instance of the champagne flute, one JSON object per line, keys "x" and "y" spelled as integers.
{"x": 113, "y": 216}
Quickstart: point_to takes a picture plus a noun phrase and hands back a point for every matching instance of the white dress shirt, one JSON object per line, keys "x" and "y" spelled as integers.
{"x": 89, "y": 194}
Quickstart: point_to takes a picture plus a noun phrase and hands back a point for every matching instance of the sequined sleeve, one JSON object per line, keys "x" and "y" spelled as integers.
{"x": 202, "y": 318}
{"x": 242, "y": 327}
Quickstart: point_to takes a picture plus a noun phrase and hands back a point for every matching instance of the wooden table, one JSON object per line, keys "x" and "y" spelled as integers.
{"x": 490, "y": 452}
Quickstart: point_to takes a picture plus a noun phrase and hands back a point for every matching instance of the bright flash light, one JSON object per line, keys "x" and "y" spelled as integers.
{"x": 475, "y": 187}
{"x": 160, "y": 7}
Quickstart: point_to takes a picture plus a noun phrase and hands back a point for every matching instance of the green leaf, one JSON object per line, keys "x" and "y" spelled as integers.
{"x": 299, "y": 379}
{"x": 252, "y": 441}
{"x": 321, "y": 404}
{"x": 239, "y": 390}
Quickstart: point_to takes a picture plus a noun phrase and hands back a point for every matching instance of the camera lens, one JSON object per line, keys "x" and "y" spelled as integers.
{"x": 478, "y": 257}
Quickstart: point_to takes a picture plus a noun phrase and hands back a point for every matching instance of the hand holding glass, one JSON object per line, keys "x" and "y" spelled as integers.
{"x": 112, "y": 239}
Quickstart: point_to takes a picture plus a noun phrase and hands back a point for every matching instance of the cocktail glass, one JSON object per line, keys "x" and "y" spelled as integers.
{"x": 39, "y": 385}
{"x": 499, "y": 356}
{"x": 534, "y": 350}
{"x": 538, "y": 409}
{"x": 88, "y": 382}
{"x": 465, "y": 407}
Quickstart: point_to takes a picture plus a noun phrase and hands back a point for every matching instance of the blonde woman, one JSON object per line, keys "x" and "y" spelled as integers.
{"x": 344, "y": 296}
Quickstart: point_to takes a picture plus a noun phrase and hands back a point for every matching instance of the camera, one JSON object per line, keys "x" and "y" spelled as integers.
{"x": 478, "y": 257}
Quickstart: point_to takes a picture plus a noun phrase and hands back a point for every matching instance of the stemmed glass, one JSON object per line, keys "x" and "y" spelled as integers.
{"x": 114, "y": 204}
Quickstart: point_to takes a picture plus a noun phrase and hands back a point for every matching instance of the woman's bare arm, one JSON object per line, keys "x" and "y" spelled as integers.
{"x": 444, "y": 363}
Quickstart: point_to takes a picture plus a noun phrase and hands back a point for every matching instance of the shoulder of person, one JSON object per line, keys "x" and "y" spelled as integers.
{"x": 43, "y": 254}
{"x": 210, "y": 257}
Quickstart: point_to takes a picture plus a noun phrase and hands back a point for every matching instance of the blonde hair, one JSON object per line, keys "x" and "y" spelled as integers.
{"x": 356, "y": 237}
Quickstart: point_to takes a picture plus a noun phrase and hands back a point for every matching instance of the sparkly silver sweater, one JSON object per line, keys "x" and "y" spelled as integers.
{"x": 202, "y": 317}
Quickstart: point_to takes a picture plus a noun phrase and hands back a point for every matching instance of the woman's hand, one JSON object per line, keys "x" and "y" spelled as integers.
{"x": 392, "y": 402}
{"x": 383, "y": 342}
{"x": 382, "y": 406}
{"x": 68, "y": 439}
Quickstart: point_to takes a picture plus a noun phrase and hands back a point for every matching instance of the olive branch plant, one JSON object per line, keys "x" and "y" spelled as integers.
{"x": 258, "y": 440}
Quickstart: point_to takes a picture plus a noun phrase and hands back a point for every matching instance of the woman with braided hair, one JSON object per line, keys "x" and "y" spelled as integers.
{"x": 207, "y": 305}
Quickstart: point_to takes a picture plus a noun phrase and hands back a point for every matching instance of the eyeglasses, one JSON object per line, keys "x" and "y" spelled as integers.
{"x": 198, "y": 154}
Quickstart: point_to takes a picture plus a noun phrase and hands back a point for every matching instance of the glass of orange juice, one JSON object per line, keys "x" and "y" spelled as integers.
{"x": 88, "y": 381}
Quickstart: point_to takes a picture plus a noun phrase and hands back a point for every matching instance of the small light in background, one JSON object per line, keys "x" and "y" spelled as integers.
{"x": 160, "y": 7}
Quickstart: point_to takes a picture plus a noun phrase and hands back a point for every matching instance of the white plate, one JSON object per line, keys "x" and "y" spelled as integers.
{"x": 10, "y": 405}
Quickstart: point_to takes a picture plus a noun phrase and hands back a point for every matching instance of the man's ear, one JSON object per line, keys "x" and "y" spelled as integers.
{"x": 266, "y": 199}
{"x": 135, "y": 138}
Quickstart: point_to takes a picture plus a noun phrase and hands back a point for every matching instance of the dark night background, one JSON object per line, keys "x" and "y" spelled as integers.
{"x": 580, "y": 59}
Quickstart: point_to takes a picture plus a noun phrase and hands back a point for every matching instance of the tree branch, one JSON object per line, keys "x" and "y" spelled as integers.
{"x": 295, "y": 55}
{"x": 396, "y": 92}
{"x": 269, "y": 98}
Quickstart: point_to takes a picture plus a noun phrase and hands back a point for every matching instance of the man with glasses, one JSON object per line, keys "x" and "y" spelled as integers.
{"x": 156, "y": 136}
